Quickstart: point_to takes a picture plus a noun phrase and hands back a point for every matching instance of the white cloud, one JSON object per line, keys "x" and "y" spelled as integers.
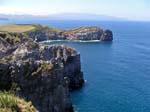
{"x": 126, "y": 9}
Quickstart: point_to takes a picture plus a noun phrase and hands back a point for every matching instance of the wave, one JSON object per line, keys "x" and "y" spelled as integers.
{"x": 49, "y": 41}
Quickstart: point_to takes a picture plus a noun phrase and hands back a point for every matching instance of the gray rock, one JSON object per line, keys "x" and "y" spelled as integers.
{"x": 41, "y": 74}
{"x": 81, "y": 33}
{"x": 107, "y": 36}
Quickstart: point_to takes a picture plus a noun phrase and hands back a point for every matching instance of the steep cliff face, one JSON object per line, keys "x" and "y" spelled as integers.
{"x": 89, "y": 33}
{"x": 107, "y": 35}
{"x": 40, "y": 83}
{"x": 82, "y": 33}
{"x": 43, "y": 33}
{"x": 41, "y": 74}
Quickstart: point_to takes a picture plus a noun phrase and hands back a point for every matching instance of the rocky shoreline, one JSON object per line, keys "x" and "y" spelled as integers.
{"x": 42, "y": 74}
{"x": 77, "y": 34}
{"x": 44, "y": 33}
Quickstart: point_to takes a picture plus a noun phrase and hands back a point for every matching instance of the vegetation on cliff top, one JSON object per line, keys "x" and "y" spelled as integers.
{"x": 78, "y": 30}
{"x": 42, "y": 32}
{"x": 16, "y": 28}
{"x": 25, "y": 28}
{"x": 11, "y": 103}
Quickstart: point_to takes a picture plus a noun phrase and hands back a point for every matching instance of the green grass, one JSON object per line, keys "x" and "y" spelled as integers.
{"x": 15, "y": 28}
{"x": 8, "y": 101}
{"x": 11, "y": 103}
{"x": 78, "y": 30}
{"x": 27, "y": 28}
{"x": 44, "y": 67}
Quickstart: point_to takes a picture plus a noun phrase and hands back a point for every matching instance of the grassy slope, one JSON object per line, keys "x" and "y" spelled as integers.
{"x": 24, "y": 28}
{"x": 21, "y": 28}
{"x": 16, "y": 28}
{"x": 11, "y": 103}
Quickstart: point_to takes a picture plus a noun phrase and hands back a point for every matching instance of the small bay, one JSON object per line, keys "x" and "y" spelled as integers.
{"x": 117, "y": 73}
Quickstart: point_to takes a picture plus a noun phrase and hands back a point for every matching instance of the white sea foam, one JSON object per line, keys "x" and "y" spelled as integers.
{"x": 49, "y": 41}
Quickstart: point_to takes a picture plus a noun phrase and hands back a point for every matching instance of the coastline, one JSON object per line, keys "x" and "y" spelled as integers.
{"x": 54, "y": 69}
{"x": 81, "y": 41}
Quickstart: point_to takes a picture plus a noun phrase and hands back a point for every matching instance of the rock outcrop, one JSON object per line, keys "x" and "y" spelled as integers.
{"x": 41, "y": 74}
{"x": 89, "y": 33}
{"x": 83, "y": 34}
{"x": 43, "y": 33}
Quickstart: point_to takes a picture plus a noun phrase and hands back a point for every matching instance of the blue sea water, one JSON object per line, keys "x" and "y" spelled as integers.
{"x": 117, "y": 73}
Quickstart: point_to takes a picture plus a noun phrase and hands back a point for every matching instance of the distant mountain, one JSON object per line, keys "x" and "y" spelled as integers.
{"x": 3, "y": 19}
{"x": 18, "y": 17}
{"x": 63, "y": 16}
{"x": 84, "y": 16}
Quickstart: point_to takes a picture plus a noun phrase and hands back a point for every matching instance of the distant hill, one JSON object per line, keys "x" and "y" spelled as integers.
{"x": 4, "y": 19}
{"x": 84, "y": 16}
{"x": 64, "y": 16}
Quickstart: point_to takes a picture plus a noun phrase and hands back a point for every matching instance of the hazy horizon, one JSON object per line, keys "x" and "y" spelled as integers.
{"x": 131, "y": 10}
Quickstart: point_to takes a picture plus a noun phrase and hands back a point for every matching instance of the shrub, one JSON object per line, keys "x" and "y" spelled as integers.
{"x": 16, "y": 40}
{"x": 8, "y": 101}
{"x": 44, "y": 67}
{"x": 11, "y": 103}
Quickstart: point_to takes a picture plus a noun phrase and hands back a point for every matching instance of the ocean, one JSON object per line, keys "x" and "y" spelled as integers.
{"x": 117, "y": 73}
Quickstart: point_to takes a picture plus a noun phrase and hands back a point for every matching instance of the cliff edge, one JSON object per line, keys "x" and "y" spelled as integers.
{"x": 43, "y": 74}
{"x": 43, "y": 33}
{"x": 37, "y": 73}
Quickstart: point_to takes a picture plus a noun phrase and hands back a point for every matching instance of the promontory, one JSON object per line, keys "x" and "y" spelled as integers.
{"x": 38, "y": 78}
{"x": 44, "y": 33}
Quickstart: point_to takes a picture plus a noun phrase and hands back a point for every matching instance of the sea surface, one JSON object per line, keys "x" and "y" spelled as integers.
{"x": 117, "y": 73}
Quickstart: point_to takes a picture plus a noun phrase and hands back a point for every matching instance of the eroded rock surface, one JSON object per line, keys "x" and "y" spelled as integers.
{"x": 81, "y": 33}
{"x": 37, "y": 73}
{"x": 89, "y": 33}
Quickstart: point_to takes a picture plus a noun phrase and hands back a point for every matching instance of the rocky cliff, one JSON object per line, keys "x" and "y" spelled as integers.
{"x": 41, "y": 74}
{"x": 43, "y": 33}
{"x": 82, "y": 33}
{"x": 89, "y": 33}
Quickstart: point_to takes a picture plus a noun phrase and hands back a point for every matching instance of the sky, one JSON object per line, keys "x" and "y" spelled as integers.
{"x": 129, "y": 9}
